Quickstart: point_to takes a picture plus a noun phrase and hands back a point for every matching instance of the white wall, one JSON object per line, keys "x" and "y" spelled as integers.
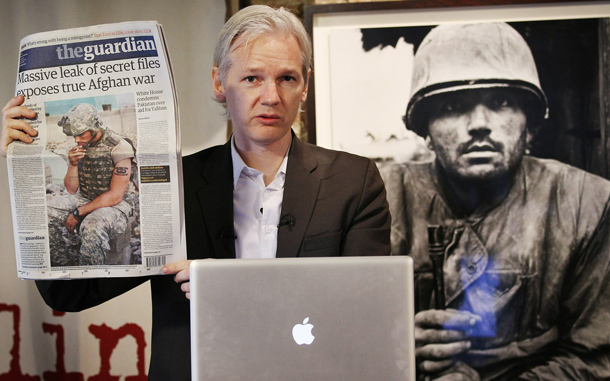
{"x": 190, "y": 28}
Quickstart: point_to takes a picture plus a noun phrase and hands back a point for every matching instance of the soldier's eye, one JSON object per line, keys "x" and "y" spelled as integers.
{"x": 451, "y": 106}
{"x": 500, "y": 101}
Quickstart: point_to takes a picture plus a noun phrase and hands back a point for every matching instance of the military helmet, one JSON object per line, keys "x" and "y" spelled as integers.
{"x": 81, "y": 118}
{"x": 473, "y": 56}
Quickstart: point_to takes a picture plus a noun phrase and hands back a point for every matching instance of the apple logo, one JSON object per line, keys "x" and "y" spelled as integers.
{"x": 302, "y": 333}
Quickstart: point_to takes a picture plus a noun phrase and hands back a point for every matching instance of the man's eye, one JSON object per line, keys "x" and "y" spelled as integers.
{"x": 288, "y": 78}
{"x": 499, "y": 101}
{"x": 250, "y": 78}
{"x": 452, "y": 106}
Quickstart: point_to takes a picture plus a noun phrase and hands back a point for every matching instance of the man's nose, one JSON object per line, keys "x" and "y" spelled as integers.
{"x": 479, "y": 121}
{"x": 270, "y": 95}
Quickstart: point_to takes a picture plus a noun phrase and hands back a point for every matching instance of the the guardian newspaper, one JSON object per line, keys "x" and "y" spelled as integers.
{"x": 98, "y": 192}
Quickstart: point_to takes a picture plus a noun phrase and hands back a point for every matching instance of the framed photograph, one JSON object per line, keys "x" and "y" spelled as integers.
{"x": 363, "y": 55}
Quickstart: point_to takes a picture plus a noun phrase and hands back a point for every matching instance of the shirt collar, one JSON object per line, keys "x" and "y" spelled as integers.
{"x": 239, "y": 165}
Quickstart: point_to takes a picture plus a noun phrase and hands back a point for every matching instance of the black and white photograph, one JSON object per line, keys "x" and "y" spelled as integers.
{"x": 369, "y": 85}
{"x": 92, "y": 185}
{"x": 490, "y": 135}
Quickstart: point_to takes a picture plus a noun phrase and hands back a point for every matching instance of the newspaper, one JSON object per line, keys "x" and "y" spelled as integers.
{"x": 68, "y": 220}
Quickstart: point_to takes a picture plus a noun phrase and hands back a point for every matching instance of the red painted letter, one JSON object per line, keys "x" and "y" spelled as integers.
{"x": 60, "y": 347}
{"x": 109, "y": 338}
{"x": 14, "y": 373}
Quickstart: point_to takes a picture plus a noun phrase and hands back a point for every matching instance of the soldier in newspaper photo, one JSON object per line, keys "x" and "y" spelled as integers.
{"x": 525, "y": 242}
{"x": 92, "y": 214}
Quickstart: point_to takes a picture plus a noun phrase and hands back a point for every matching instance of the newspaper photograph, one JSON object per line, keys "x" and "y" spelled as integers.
{"x": 99, "y": 191}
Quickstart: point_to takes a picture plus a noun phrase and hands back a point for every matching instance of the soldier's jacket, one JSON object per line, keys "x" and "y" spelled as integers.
{"x": 96, "y": 168}
{"x": 535, "y": 267}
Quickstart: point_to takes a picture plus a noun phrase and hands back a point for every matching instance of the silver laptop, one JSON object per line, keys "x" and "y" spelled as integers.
{"x": 342, "y": 318}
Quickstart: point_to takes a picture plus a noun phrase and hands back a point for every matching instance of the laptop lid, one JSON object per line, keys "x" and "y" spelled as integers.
{"x": 338, "y": 318}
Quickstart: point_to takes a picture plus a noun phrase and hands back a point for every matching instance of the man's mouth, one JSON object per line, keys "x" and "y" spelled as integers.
{"x": 268, "y": 118}
{"x": 481, "y": 151}
{"x": 481, "y": 147}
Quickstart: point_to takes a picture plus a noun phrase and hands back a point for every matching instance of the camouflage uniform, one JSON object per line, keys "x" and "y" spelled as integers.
{"x": 95, "y": 171}
{"x": 96, "y": 231}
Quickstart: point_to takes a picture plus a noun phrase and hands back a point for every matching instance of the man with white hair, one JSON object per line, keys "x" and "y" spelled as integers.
{"x": 263, "y": 194}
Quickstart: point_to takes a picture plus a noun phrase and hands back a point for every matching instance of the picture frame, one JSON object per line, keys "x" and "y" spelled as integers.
{"x": 342, "y": 106}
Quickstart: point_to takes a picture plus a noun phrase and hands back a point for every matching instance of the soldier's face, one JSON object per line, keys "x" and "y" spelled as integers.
{"x": 477, "y": 134}
{"x": 86, "y": 138}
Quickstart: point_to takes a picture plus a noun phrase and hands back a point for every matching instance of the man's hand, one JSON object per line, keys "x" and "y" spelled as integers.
{"x": 71, "y": 223}
{"x": 441, "y": 336}
{"x": 458, "y": 372}
{"x": 13, "y": 128}
{"x": 76, "y": 154}
{"x": 181, "y": 269}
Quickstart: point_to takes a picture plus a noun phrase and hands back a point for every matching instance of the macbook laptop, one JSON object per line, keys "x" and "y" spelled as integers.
{"x": 340, "y": 318}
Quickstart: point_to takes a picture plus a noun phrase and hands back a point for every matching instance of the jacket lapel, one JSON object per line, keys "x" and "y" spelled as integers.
{"x": 216, "y": 200}
{"x": 300, "y": 195}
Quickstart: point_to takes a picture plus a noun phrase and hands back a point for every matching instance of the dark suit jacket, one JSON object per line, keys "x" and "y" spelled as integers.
{"x": 337, "y": 205}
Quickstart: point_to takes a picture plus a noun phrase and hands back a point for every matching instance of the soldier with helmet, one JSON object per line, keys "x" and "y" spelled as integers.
{"x": 525, "y": 241}
{"x": 98, "y": 205}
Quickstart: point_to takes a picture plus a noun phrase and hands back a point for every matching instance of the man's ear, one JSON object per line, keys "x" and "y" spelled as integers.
{"x": 429, "y": 143}
{"x": 217, "y": 85}
{"x": 531, "y": 132}
{"x": 306, "y": 88}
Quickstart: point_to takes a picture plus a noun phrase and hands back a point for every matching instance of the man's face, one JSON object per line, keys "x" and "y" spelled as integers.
{"x": 263, "y": 87}
{"x": 84, "y": 139}
{"x": 477, "y": 134}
